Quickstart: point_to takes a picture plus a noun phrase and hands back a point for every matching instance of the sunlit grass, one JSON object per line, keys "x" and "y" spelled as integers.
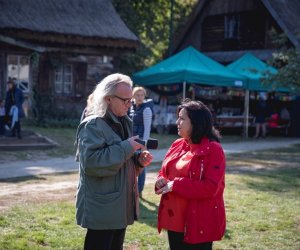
{"x": 262, "y": 199}
{"x": 263, "y": 212}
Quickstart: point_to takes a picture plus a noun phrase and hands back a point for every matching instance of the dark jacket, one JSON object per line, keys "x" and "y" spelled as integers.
{"x": 136, "y": 114}
{"x": 14, "y": 96}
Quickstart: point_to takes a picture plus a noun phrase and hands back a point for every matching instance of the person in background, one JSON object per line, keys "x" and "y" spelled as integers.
{"x": 192, "y": 181}
{"x": 261, "y": 114}
{"x": 273, "y": 120}
{"x": 109, "y": 161}
{"x": 2, "y": 117}
{"x": 141, "y": 114}
{"x": 13, "y": 107}
{"x": 285, "y": 115}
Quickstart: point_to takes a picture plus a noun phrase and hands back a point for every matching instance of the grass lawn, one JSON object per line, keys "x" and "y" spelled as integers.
{"x": 262, "y": 202}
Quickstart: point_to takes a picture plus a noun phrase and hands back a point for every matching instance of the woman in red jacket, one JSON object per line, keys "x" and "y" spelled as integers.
{"x": 192, "y": 182}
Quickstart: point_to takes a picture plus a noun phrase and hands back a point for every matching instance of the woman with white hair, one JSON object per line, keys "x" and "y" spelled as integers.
{"x": 109, "y": 161}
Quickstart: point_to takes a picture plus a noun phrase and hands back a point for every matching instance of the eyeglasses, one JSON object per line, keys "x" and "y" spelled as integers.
{"x": 126, "y": 101}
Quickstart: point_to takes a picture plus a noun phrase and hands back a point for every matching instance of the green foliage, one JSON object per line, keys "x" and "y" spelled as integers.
{"x": 287, "y": 61}
{"x": 46, "y": 114}
{"x": 150, "y": 21}
{"x": 40, "y": 106}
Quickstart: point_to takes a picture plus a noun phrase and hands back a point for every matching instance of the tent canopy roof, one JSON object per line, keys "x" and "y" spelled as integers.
{"x": 190, "y": 66}
{"x": 253, "y": 69}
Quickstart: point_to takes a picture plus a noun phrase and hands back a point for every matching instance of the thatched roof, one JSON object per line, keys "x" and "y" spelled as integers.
{"x": 87, "y": 19}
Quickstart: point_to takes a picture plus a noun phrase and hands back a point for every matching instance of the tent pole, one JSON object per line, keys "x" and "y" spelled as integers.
{"x": 184, "y": 90}
{"x": 246, "y": 113}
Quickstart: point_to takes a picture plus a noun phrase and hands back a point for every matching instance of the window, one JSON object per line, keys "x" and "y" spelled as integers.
{"x": 231, "y": 32}
{"x": 231, "y": 26}
{"x": 63, "y": 80}
{"x": 18, "y": 68}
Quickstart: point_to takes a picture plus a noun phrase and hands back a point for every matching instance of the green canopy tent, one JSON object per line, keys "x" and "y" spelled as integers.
{"x": 188, "y": 66}
{"x": 253, "y": 69}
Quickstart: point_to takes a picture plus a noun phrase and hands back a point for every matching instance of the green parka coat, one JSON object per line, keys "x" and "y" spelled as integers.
{"x": 107, "y": 196}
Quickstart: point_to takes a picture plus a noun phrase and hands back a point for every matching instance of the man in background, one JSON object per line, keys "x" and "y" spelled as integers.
{"x": 13, "y": 108}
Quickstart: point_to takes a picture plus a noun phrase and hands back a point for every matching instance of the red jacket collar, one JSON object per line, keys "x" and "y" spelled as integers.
{"x": 202, "y": 148}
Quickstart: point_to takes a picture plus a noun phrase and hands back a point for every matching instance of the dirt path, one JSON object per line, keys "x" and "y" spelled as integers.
{"x": 55, "y": 187}
{"x": 45, "y": 188}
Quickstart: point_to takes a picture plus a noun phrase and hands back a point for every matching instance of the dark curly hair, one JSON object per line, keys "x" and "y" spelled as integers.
{"x": 201, "y": 120}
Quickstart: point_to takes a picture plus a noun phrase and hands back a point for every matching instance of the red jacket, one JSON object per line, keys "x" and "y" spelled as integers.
{"x": 205, "y": 215}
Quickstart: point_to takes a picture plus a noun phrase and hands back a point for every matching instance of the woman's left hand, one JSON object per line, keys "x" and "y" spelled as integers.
{"x": 145, "y": 158}
{"x": 166, "y": 188}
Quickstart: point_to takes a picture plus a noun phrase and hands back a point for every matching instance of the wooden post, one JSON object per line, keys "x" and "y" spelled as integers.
{"x": 184, "y": 90}
{"x": 246, "y": 113}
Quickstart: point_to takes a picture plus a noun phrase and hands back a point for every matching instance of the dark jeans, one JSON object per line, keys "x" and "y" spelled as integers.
{"x": 141, "y": 180}
{"x": 104, "y": 239}
{"x": 17, "y": 129}
{"x": 176, "y": 243}
{"x": 2, "y": 120}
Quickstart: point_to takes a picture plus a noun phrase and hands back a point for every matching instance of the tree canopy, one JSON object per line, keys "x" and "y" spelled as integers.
{"x": 287, "y": 61}
{"x": 151, "y": 22}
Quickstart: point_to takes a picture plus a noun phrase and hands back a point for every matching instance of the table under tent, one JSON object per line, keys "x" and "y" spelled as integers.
{"x": 227, "y": 90}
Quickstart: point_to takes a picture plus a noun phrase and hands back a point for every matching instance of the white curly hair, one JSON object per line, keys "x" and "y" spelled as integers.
{"x": 105, "y": 88}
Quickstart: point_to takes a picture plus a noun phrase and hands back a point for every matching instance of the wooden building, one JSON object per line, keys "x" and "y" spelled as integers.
{"x": 59, "y": 50}
{"x": 226, "y": 29}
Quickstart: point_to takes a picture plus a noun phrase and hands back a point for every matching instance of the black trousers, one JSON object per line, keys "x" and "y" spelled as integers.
{"x": 104, "y": 239}
{"x": 176, "y": 243}
{"x": 2, "y": 129}
{"x": 17, "y": 129}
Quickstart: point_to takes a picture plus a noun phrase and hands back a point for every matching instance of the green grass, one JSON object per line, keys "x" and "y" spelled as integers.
{"x": 65, "y": 137}
{"x": 263, "y": 211}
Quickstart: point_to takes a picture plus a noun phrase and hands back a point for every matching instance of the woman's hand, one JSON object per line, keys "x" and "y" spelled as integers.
{"x": 163, "y": 186}
{"x": 145, "y": 158}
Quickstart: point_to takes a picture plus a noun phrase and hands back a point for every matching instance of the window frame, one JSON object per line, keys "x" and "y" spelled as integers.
{"x": 62, "y": 72}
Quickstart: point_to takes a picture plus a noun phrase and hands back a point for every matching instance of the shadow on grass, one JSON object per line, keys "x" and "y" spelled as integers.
{"x": 273, "y": 170}
{"x": 276, "y": 181}
{"x": 23, "y": 179}
{"x": 148, "y": 212}
{"x": 33, "y": 177}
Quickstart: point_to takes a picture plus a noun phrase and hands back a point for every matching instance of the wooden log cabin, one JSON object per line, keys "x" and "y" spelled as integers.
{"x": 59, "y": 50}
